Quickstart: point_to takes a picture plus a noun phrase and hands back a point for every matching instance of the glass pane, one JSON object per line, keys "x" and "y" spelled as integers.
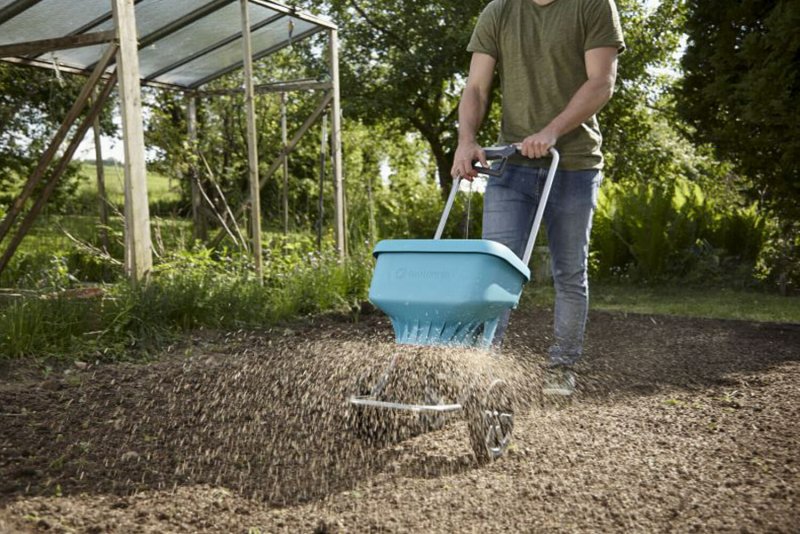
{"x": 231, "y": 54}
{"x": 194, "y": 38}
{"x": 50, "y": 19}
{"x": 151, "y": 15}
{"x": 76, "y": 57}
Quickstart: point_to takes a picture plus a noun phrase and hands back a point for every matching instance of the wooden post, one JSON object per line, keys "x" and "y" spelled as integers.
{"x": 371, "y": 209}
{"x": 138, "y": 252}
{"x": 252, "y": 148}
{"x": 336, "y": 138}
{"x": 50, "y": 185}
{"x": 284, "y": 137}
{"x": 323, "y": 152}
{"x": 47, "y": 156}
{"x": 102, "y": 200}
{"x": 199, "y": 222}
{"x": 279, "y": 159}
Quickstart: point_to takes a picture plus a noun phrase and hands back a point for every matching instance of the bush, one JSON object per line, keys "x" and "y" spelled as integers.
{"x": 672, "y": 230}
{"x": 779, "y": 261}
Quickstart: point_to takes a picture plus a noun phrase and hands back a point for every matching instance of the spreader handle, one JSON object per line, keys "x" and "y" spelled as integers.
{"x": 537, "y": 220}
{"x": 494, "y": 153}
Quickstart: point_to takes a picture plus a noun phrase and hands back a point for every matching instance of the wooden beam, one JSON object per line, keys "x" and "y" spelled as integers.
{"x": 50, "y": 186}
{"x": 47, "y": 156}
{"x": 60, "y": 43}
{"x": 279, "y": 87}
{"x": 288, "y": 150}
{"x": 200, "y": 230}
{"x": 284, "y": 136}
{"x": 102, "y": 199}
{"x": 15, "y": 8}
{"x": 323, "y": 152}
{"x": 252, "y": 142}
{"x": 297, "y": 136}
{"x": 138, "y": 250}
{"x": 336, "y": 139}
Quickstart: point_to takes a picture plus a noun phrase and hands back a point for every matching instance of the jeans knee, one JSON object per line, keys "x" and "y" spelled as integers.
{"x": 571, "y": 282}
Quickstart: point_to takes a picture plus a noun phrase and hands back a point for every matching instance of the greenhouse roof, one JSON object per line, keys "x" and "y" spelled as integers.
{"x": 183, "y": 44}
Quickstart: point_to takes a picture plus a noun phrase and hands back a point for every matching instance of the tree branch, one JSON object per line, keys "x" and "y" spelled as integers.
{"x": 397, "y": 38}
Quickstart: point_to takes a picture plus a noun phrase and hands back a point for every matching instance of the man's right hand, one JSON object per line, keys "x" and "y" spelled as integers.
{"x": 466, "y": 154}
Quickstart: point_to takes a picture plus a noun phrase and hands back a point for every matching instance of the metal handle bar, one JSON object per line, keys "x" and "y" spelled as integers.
{"x": 537, "y": 220}
{"x": 495, "y": 153}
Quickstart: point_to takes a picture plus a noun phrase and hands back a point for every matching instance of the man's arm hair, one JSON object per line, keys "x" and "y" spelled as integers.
{"x": 475, "y": 98}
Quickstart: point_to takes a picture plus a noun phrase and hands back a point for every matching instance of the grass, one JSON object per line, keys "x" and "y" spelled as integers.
{"x": 159, "y": 187}
{"x": 187, "y": 290}
{"x": 686, "y": 301}
{"x": 48, "y": 240}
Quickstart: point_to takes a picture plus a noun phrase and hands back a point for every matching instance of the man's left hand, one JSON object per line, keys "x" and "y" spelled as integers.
{"x": 538, "y": 145}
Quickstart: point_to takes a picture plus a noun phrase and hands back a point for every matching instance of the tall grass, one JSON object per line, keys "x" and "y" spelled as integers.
{"x": 186, "y": 291}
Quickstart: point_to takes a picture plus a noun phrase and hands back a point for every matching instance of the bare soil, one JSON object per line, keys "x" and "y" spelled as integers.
{"x": 679, "y": 425}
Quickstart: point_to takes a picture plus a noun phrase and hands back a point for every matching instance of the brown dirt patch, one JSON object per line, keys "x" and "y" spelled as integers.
{"x": 680, "y": 424}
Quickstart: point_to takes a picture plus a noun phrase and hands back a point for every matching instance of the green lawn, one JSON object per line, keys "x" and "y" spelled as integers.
{"x": 681, "y": 300}
{"x": 159, "y": 187}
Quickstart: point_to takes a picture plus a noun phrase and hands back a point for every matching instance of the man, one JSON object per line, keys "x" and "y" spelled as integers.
{"x": 557, "y": 61}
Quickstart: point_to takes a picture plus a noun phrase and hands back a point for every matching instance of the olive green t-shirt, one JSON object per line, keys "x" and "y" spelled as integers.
{"x": 540, "y": 60}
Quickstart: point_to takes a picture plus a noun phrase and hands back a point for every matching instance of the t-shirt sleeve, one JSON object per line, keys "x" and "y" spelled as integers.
{"x": 484, "y": 36}
{"x": 603, "y": 27}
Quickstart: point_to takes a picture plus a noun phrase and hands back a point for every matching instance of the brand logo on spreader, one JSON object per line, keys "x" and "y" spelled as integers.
{"x": 410, "y": 274}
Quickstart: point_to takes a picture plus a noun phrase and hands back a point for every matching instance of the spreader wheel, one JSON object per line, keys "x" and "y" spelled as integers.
{"x": 369, "y": 424}
{"x": 490, "y": 419}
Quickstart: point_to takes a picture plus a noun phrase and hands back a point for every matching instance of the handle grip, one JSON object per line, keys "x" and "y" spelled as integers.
{"x": 494, "y": 153}
{"x": 537, "y": 220}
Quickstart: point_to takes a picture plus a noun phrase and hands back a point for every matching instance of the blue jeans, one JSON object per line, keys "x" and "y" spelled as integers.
{"x": 509, "y": 207}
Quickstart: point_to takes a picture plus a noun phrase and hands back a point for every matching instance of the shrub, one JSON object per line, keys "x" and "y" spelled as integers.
{"x": 672, "y": 230}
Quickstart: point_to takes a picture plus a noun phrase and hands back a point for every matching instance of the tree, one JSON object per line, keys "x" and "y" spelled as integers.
{"x": 741, "y": 88}
{"x": 33, "y": 102}
{"x": 404, "y": 63}
{"x": 633, "y": 122}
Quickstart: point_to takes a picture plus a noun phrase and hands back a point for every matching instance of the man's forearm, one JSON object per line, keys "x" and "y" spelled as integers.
{"x": 471, "y": 111}
{"x": 588, "y": 100}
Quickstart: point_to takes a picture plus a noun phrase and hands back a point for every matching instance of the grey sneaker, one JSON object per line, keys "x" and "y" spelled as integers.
{"x": 559, "y": 380}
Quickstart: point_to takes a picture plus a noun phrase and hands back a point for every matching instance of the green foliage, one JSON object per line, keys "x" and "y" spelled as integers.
{"x": 403, "y": 64}
{"x": 685, "y": 300}
{"x": 33, "y": 103}
{"x": 779, "y": 261}
{"x": 220, "y": 152}
{"x": 46, "y": 327}
{"x": 163, "y": 191}
{"x": 741, "y": 88}
{"x": 187, "y": 290}
{"x": 640, "y": 140}
{"x": 672, "y": 230}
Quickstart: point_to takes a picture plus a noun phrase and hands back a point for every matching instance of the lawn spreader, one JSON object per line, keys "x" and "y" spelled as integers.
{"x": 449, "y": 293}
